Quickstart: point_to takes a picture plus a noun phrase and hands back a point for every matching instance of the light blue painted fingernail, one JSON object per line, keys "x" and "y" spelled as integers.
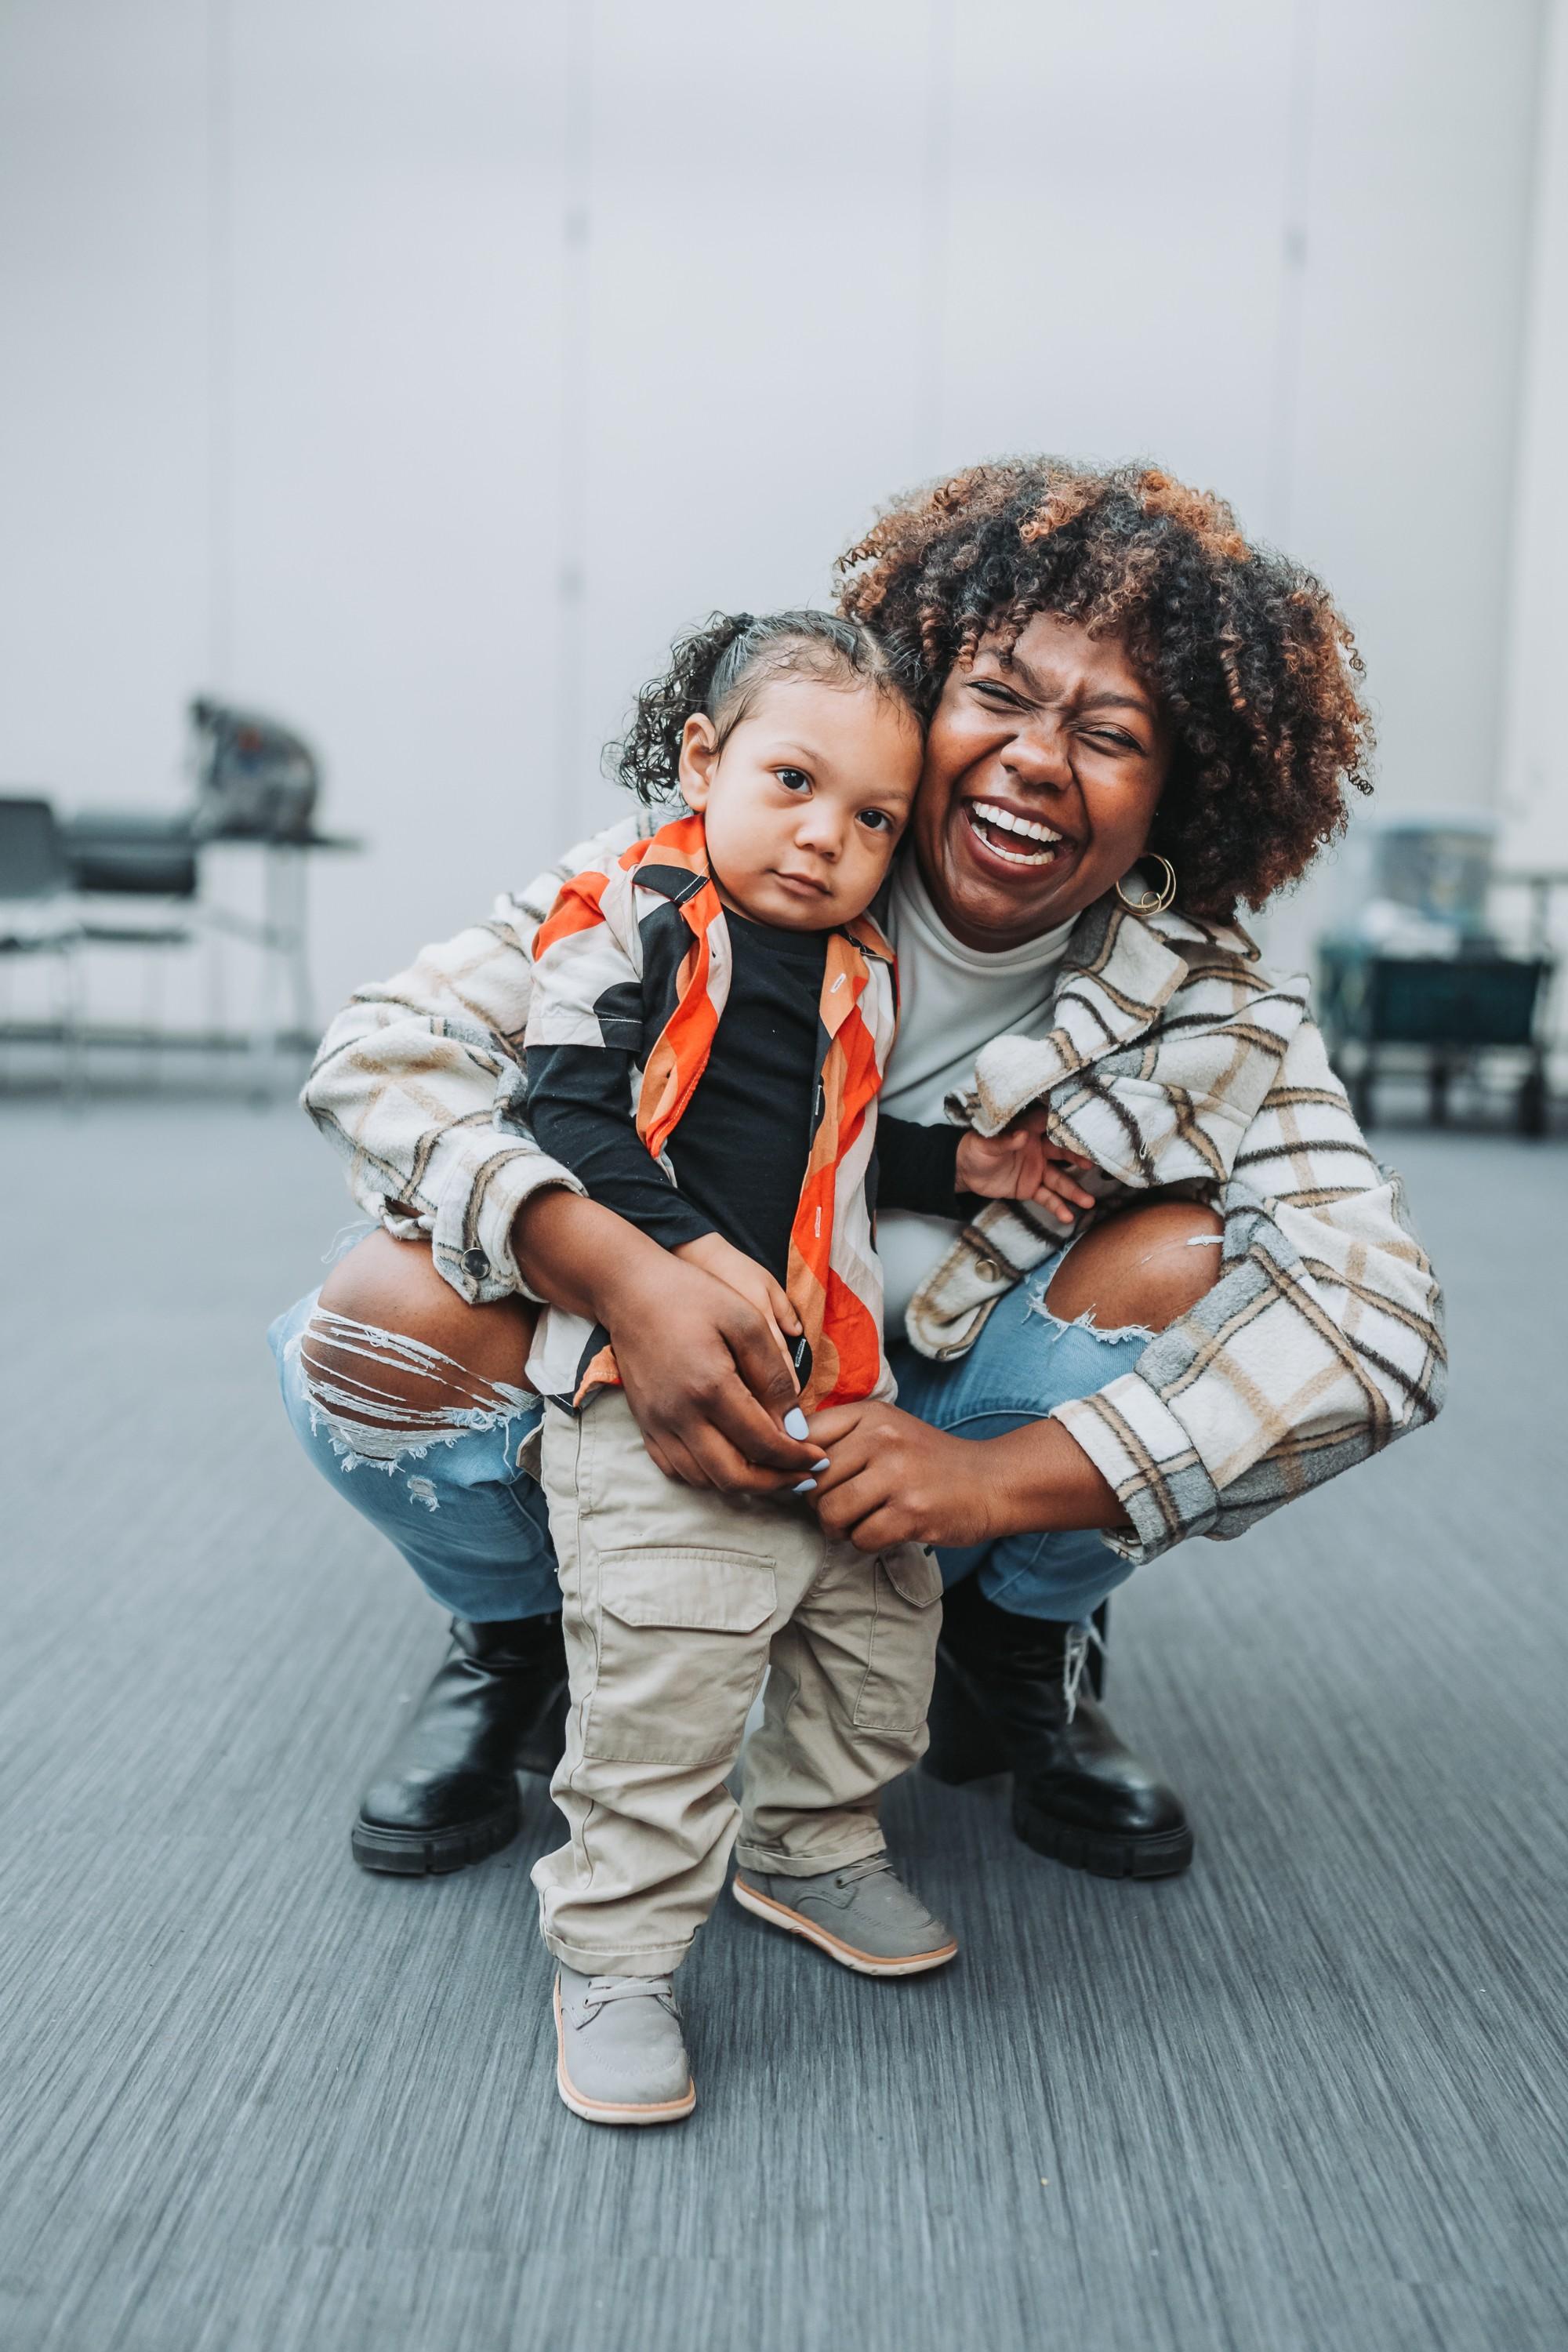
{"x": 804, "y": 1486}
{"x": 824, "y": 1464}
{"x": 795, "y": 1423}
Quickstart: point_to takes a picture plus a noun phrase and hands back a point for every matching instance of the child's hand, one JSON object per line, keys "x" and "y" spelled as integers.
{"x": 1020, "y": 1164}
{"x": 755, "y": 1284}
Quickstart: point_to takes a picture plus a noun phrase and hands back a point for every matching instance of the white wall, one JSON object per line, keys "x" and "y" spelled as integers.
{"x": 416, "y": 372}
{"x": 1535, "y": 768}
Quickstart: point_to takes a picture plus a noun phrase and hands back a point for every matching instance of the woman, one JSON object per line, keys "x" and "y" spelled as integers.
{"x": 1135, "y": 721}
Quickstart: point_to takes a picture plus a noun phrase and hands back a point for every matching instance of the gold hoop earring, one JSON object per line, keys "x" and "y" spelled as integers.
{"x": 1153, "y": 902}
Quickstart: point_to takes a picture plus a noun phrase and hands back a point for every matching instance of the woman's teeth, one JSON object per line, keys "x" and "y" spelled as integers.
{"x": 990, "y": 820}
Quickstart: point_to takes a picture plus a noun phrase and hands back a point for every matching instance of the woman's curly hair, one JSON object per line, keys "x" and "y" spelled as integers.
{"x": 718, "y": 669}
{"x": 1254, "y": 665}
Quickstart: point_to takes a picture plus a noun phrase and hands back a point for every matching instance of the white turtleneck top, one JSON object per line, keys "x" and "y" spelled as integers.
{"x": 952, "y": 1001}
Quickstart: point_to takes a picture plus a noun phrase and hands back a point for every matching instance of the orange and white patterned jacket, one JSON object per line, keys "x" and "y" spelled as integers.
{"x": 635, "y": 954}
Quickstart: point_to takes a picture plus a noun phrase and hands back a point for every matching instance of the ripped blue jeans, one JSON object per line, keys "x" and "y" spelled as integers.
{"x": 446, "y": 1487}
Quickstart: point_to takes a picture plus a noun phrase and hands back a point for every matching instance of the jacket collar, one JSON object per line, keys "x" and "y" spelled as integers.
{"x": 673, "y": 864}
{"x": 1119, "y": 971}
{"x": 1117, "y": 974}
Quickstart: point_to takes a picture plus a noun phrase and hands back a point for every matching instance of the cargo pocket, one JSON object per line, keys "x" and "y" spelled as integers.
{"x": 682, "y": 1646}
{"x": 902, "y": 1659}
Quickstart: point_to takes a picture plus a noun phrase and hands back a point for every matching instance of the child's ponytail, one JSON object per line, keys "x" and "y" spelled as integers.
{"x": 648, "y": 757}
{"x": 715, "y": 669}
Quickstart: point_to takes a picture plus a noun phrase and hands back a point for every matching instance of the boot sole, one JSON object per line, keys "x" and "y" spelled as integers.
{"x": 605, "y": 2111}
{"x": 1164, "y": 1853}
{"x": 865, "y": 1964}
{"x": 962, "y": 1754}
{"x": 432, "y": 1853}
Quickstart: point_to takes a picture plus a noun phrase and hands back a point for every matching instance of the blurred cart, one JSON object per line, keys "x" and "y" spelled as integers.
{"x": 1413, "y": 975}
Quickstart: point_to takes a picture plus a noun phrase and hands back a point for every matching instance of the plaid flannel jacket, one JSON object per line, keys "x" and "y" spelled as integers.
{"x": 1175, "y": 1061}
{"x": 636, "y": 953}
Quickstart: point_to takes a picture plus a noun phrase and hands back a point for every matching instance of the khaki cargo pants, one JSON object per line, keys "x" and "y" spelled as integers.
{"x": 675, "y": 1602}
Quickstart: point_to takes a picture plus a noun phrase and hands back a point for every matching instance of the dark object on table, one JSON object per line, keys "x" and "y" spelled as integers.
{"x": 1453, "y": 1007}
{"x": 255, "y": 780}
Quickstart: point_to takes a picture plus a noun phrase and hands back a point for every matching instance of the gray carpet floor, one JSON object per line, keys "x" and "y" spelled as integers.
{"x": 1312, "y": 2095}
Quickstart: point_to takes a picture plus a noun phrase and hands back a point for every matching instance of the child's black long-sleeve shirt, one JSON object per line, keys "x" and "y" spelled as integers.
{"x": 739, "y": 1149}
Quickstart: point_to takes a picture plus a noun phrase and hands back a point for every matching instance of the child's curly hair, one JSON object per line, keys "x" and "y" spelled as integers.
{"x": 719, "y": 668}
{"x": 1256, "y": 668}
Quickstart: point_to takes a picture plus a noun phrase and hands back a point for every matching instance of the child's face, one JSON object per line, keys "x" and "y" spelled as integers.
{"x": 805, "y": 802}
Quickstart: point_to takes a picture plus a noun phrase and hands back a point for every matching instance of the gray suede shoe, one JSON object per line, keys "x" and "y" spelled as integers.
{"x": 863, "y": 1916}
{"x": 619, "y": 2055}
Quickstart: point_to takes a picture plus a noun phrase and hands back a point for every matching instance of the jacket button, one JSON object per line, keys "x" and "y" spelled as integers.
{"x": 475, "y": 1262}
{"x": 987, "y": 1268}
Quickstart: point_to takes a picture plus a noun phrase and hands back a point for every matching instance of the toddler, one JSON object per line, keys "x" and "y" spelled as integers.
{"x": 710, "y": 1019}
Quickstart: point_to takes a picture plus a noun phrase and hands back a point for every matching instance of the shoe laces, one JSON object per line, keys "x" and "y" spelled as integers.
{"x": 1075, "y": 1662}
{"x": 873, "y": 1867}
{"x": 605, "y": 1990}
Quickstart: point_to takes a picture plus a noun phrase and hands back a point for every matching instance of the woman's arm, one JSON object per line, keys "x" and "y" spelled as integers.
{"x": 892, "y": 1479}
{"x": 1320, "y": 1343}
{"x": 418, "y": 1084}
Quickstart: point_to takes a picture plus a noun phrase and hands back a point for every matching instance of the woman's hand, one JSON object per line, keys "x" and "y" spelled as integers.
{"x": 1021, "y": 1164}
{"x": 700, "y": 1368}
{"x": 704, "y": 1377}
{"x": 726, "y": 1264}
{"x": 891, "y": 1479}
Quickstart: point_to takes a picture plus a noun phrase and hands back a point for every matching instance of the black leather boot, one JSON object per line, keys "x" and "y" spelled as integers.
{"x": 446, "y": 1793}
{"x": 1000, "y": 1706}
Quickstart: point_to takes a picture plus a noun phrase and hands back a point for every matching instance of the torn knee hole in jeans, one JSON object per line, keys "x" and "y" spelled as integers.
{"x": 1039, "y": 1303}
{"x": 368, "y": 1423}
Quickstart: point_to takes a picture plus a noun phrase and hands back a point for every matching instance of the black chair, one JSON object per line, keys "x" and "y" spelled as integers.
{"x": 57, "y": 871}
{"x": 37, "y": 914}
{"x": 130, "y": 853}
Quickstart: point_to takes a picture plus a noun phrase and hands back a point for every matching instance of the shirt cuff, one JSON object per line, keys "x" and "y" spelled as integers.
{"x": 916, "y": 1167}
{"x": 472, "y": 1239}
{"x": 671, "y": 1221}
{"x": 1149, "y": 1462}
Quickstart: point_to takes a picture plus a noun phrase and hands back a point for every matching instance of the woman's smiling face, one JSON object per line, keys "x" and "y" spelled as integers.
{"x": 1042, "y": 774}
